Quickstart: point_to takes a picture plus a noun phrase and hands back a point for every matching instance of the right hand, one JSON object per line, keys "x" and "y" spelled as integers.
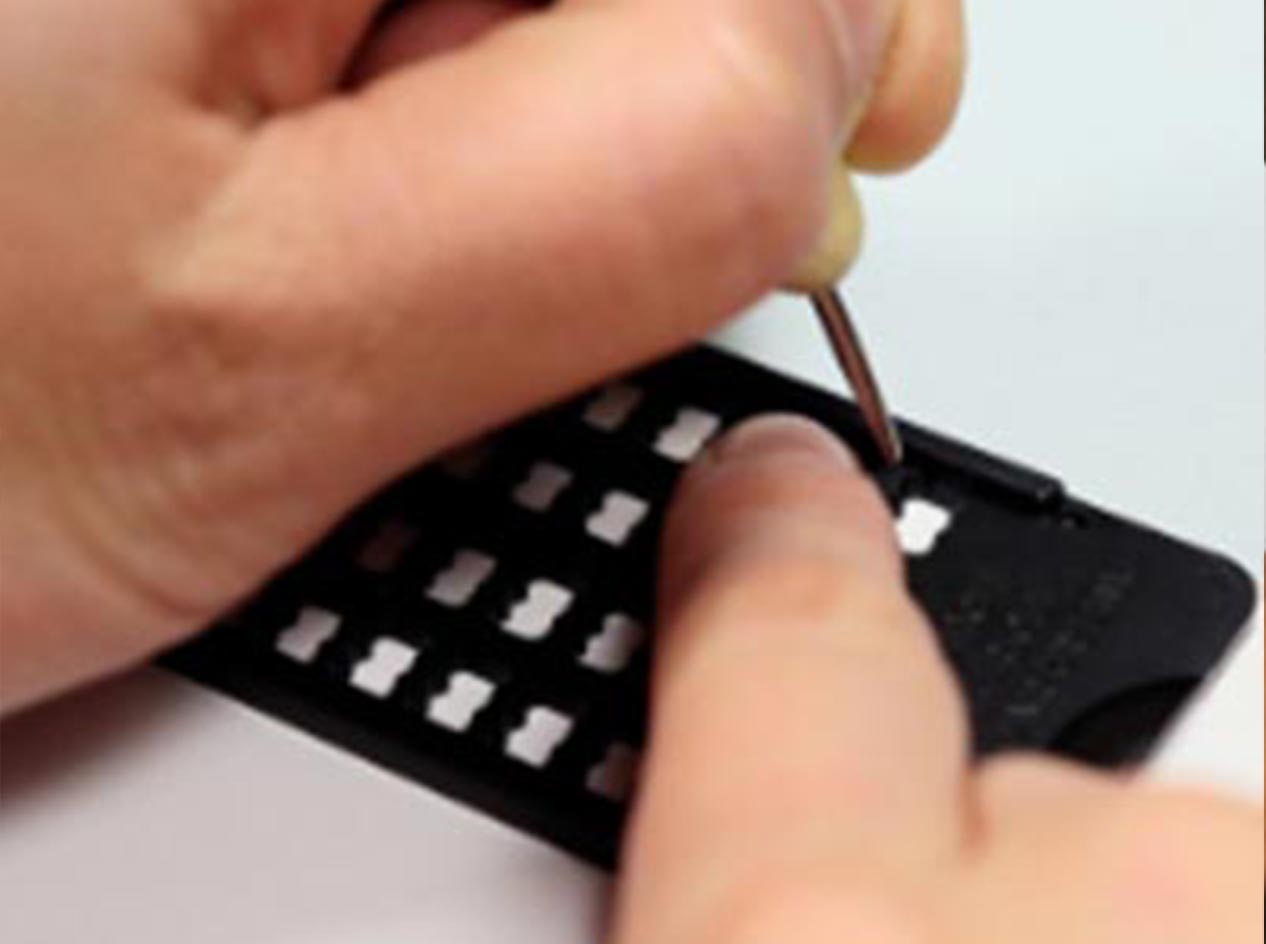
{"x": 237, "y": 297}
{"x": 807, "y": 779}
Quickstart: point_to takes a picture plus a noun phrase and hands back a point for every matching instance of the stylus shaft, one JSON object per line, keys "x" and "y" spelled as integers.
{"x": 856, "y": 367}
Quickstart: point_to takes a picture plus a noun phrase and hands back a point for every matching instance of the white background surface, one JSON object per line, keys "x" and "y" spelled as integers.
{"x": 1077, "y": 281}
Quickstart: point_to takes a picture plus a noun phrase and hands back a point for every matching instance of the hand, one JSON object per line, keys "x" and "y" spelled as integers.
{"x": 807, "y": 779}
{"x": 261, "y": 256}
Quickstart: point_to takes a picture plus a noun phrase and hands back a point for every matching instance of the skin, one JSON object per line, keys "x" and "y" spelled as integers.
{"x": 807, "y": 776}
{"x": 264, "y": 255}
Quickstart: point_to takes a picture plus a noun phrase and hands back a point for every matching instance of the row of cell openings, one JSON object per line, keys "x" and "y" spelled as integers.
{"x": 537, "y": 606}
{"x": 920, "y": 525}
{"x": 533, "y": 741}
{"x": 536, "y": 609}
{"x": 614, "y": 521}
{"x": 608, "y": 649}
{"x": 680, "y": 437}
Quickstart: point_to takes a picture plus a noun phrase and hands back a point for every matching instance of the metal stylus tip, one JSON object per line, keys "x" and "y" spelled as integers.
{"x": 852, "y": 357}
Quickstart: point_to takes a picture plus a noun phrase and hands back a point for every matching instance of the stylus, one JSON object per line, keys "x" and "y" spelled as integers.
{"x": 850, "y": 353}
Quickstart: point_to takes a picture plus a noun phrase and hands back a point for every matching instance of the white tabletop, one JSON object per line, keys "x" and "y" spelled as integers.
{"x": 1076, "y": 281}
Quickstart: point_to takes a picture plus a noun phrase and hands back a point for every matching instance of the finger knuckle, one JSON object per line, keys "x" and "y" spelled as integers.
{"x": 247, "y": 321}
{"x": 233, "y": 382}
{"x": 219, "y": 355}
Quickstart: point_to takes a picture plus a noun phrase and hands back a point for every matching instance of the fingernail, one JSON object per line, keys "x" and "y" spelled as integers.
{"x": 767, "y": 437}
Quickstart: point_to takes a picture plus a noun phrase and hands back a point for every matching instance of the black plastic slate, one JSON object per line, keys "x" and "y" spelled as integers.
{"x": 1071, "y": 629}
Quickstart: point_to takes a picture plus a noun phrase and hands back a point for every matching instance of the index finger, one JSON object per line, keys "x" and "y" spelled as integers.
{"x": 803, "y": 720}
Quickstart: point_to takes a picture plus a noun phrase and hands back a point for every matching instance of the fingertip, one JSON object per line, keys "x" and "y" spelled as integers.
{"x": 896, "y": 137}
{"x": 781, "y": 434}
{"x": 776, "y": 486}
{"x": 916, "y": 98}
